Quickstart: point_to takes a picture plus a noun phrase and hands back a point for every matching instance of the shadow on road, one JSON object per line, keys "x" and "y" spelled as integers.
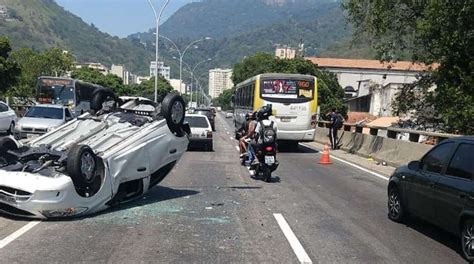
{"x": 295, "y": 149}
{"x": 435, "y": 233}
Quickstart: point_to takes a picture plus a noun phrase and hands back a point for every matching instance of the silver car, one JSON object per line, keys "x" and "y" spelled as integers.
{"x": 42, "y": 118}
{"x": 7, "y": 118}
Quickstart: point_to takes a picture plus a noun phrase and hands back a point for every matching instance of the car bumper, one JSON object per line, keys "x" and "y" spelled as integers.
{"x": 42, "y": 197}
{"x": 301, "y": 135}
{"x": 200, "y": 141}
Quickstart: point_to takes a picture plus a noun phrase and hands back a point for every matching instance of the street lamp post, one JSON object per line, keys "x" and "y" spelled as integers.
{"x": 157, "y": 17}
{"x": 192, "y": 77}
{"x": 198, "y": 85}
{"x": 181, "y": 55}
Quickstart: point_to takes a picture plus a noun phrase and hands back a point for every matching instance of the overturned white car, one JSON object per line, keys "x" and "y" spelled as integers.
{"x": 96, "y": 160}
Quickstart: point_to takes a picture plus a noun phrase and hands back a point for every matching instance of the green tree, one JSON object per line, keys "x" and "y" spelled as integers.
{"x": 110, "y": 80}
{"x": 427, "y": 31}
{"x": 52, "y": 62}
{"x": 147, "y": 89}
{"x": 9, "y": 70}
{"x": 330, "y": 93}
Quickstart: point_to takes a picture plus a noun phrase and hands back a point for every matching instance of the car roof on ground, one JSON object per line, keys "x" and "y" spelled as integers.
{"x": 202, "y": 109}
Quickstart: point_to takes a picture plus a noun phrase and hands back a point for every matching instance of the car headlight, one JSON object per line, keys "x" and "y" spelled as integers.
{"x": 63, "y": 212}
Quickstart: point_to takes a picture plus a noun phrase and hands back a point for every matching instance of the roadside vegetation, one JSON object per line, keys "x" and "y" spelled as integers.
{"x": 428, "y": 32}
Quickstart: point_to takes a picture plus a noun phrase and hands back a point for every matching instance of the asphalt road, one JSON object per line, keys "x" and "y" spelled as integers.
{"x": 210, "y": 210}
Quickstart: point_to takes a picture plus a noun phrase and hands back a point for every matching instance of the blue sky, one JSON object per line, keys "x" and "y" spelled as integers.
{"x": 120, "y": 17}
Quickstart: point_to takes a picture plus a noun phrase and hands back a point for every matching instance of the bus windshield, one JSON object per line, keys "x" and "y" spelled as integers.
{"x": 300, "y": 90}
{"x": 55, "y": 91}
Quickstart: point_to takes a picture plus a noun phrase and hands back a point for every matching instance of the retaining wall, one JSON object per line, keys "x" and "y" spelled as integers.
{"x": 394, "y": 152}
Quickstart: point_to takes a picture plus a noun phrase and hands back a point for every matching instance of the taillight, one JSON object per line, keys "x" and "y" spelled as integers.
{"x": 314, "y": 117}
{"x": 269, "y": 148}
{"x": 209, "y": 134}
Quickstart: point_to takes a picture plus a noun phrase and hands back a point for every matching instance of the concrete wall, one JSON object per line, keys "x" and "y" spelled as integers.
{"x": 394, "y": 152}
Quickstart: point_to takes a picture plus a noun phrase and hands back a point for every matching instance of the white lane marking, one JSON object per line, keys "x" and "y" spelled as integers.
{"x": 361, "y": 168}
{"x": 292, "y": 239}
{"x": 18, "y": 233}
{"x": 237, "y": 148}
{"x": 352, "y": 164}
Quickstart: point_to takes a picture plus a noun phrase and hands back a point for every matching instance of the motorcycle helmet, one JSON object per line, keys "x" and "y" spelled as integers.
{"x": 265, "y": 112}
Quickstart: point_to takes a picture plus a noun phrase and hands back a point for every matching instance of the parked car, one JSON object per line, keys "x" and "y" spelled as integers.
{"x": 210, "y": 115}
{"x": 201, "y": 131}
{"x": 95, "y": 161}
{"x": 7, "y": 119}
{"x": 229, "y": 114}
{"x": 439, "y": 189}
{"x": 42, "y": 118}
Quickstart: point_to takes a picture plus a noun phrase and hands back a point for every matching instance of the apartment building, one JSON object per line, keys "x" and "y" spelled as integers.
{"x": 163, "y": 70}
{"x": 219, "y": 81}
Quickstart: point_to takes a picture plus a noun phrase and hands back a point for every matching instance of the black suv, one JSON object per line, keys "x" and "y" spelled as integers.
{"x": 439, "y": 189}
{"x": 210, "y": 115}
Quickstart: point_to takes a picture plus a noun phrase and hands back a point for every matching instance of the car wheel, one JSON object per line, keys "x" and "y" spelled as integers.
{"x": 396, "y": 212}
{"x": 99, "y": 97}
{"x": 82, "y": 166}
{"x": 7, "y": 144}
{"x": 467, "y": 239}
{"x": 210, "y": 147}
{"x": 173, "y": 109}
{"x": 11, "y": 129}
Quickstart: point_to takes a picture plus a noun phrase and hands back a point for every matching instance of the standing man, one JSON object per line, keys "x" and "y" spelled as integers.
{"x": 336, "y": 123}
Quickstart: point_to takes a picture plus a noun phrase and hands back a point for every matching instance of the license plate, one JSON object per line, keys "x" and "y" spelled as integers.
{"x": 269, "y": 159}
{"x": 7, "y": 199}
{"x": 285, "y": 120}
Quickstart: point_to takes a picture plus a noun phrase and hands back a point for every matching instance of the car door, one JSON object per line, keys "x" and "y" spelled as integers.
{"x": 455, "y": 188}
{"x": 4, "y": 118}
{"x": 421, "y": 182}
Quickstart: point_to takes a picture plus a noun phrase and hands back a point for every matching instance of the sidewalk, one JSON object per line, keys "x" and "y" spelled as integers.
{"x": 353, "y": 158}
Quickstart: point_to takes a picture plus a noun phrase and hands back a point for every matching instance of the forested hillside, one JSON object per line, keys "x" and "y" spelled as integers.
{"x": 40, "y": 24}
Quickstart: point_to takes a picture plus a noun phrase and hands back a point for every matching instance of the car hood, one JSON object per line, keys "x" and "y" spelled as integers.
{"x": 39, "y": 122}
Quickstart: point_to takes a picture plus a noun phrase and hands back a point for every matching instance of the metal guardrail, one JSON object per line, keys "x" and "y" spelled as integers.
{"x": 394, "y": 132}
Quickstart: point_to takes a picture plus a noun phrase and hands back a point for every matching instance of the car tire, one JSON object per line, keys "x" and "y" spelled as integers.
{"x": 173, "y": 109}
{"x": 99, "y": 97}
{"x": 396, "y": 210}
{"x": 82, "y": 166}
{"x": 11, "y": 129}
{"x": 467, "y": 239}
{"x": 210, "y": 147}
{"x": 7, "y": 144}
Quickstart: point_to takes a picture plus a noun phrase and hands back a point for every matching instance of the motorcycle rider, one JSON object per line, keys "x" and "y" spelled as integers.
{"x": 263, "y": 121}
{"x": 248, "y": 129}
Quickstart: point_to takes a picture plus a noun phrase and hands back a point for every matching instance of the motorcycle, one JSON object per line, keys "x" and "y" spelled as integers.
{"x": 267, "y": 162}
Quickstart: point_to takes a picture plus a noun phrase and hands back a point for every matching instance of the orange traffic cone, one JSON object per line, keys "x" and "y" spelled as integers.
{"x": 325, "y": 159}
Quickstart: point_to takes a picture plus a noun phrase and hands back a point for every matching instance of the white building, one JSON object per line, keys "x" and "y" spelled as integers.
{"x": 163, "y": 70}
{"x": 285, "y": 52}
{"x": 121, "y": 72}
{"x": 371, "y": 85}
{"x": 93, "y": 65}
{"x": 140, "y": 79}
{"x": 219, "y": 80}
{"x": 175, "y": 83}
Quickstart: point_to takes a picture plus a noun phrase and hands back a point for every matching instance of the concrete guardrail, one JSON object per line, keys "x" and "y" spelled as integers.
{"x": 382, "y": 143}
